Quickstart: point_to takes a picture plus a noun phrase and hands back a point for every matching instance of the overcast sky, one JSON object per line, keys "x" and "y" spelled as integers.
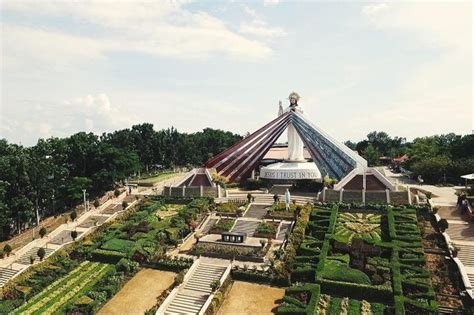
{"x": 405, "y": 68}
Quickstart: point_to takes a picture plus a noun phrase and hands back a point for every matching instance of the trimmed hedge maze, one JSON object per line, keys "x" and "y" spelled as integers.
{"x": 360, "y": 261}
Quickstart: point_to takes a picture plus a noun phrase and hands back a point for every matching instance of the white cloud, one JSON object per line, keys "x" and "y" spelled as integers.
{"x": 374, "y": 9}
{"x": 270, "y": 2}
{"x": 260, "y": 30}
{"x": 158, "y": 28}
{"x": 43, "y": 119}
{"x": 258, "y": 27}
{"x": 438, "y": 94}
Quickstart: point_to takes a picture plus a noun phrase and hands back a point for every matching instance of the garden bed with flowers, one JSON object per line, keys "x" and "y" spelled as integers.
{"x": 55, "y": 296}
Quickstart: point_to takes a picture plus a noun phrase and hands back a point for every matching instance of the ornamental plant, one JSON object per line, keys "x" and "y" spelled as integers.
{"x": 7, "y": 250}
{"x": 215, "y": 285}
{"x": 96, "y": 203}
{"x": 73, "y": 215}
{"x": 42, "y": 232}
{"x": 74, "y": 235}
{"x": 41, "y": 253}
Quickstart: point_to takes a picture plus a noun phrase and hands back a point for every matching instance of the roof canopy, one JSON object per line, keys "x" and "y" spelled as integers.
{"x": 332, "y": 157}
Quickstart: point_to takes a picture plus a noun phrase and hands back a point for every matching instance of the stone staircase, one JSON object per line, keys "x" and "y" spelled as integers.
{"x": 193, "y": 294}
{"x": 284, "y": 228}
{"x": 256, "y": 211}
{"x": 205, "y": 229}
{"x": 466, "y": 254}
{"x": 267, "y": 199}
{"x": 6, "y": 274}
{"x": 245, "y": 226}
{"x": 25, "y": 258}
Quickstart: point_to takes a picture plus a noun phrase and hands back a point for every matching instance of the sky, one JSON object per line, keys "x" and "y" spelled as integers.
{"x": 99, "y": 66}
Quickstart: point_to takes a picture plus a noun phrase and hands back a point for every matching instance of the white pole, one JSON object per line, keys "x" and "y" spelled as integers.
{"x": 85, "y": 205}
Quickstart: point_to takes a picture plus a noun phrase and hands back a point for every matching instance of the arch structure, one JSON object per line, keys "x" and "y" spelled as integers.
{"x": 331, "y": 156}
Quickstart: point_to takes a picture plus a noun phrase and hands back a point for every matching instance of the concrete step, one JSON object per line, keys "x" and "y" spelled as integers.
{"x": 284, "y": 228}
{"x": 194, "y": 293}
{"x": 6, "y": 274}
{"x": 25, "y": 258}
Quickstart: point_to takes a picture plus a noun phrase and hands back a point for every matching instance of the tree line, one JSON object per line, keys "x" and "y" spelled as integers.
{"x": 439, "y": 159}
{"x": 48, "y": 178}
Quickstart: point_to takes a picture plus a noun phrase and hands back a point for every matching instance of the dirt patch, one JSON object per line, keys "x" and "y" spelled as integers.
{"x": 249, "y": 298}
{"x": 140, "y": 293}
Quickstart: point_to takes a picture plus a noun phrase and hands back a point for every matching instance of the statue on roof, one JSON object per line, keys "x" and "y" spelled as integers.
{"x": 295, "y": 144}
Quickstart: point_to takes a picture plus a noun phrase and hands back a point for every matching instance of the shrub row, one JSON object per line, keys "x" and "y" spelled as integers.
{"x": 107, "y": 256}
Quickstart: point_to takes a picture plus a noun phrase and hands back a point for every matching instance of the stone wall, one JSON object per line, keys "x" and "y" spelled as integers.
{"x": 396, "y": 197}
{"x": 190, "y": 191}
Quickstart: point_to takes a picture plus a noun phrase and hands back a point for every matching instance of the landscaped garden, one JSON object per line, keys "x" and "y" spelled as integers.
{"x": 84, "y": 276}
{"x": 360, "y": 261}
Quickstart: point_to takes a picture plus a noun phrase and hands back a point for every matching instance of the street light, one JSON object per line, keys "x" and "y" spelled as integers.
{"x": 85, "y": 205}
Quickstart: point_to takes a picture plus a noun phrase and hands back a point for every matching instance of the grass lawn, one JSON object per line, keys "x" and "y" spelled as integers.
{"x": 140, "y": 293}
{"x": 119, "y": 245}
{"x": 249, "y": 298}
{"x": 339, "y": 271}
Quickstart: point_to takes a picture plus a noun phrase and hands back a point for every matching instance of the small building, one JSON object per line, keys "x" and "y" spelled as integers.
{"x": 230, "y": 237}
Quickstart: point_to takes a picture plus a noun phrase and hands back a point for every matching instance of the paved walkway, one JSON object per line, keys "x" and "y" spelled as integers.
{"x": 256, "y": 211}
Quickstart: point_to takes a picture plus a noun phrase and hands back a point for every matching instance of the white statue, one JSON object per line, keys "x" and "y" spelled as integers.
{"x": 295, "y": 144}
{"x": 287, "y": 199}
{"x": 280, "y": 108}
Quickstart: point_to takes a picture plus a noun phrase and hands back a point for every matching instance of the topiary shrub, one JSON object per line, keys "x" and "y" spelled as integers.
{"x": 73, "y": 215}
{"x": 41, "y": 253}
{"x": 74, "y": 235}
{"x": 96, "y": 203}
{"x": 116, "y": 192}
{"x": 443, "y": 225}
{"x": 7, "y": 250}
{"x": 42, "y": 232}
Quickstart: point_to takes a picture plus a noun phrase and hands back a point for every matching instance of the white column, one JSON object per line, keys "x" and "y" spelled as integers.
{"x": 324, "y": 193}
{"x": 218, "y": 191}
{"x": 201, "y": 191}
{"x": 409, "y": 195}
{"x": 170, "y": 191}
{"x": 184, "y": 191}
{"x": 387, "y": 192}
{"x": 253, "y": 174}
{"x": 364, "y": 180}
{"x": 363, "y": 196}
{"x": 341, "y": 195}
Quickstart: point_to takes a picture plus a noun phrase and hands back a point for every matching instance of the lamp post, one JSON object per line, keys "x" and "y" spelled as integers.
{"x": 85, "y": 205}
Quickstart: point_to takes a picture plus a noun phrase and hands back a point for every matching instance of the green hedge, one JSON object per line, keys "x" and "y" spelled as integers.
{"x": 295, "y": 307}
{"x": 107, "y": 256}
{"x": 358, "y": 291}
{"x": 251, "y": 276}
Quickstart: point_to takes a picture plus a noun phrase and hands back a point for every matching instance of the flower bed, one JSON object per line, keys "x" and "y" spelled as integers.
{"x": 228, "y": 251}
{"x": 360, "y": 225}
{"x": 60, "y": 292}
{"x": 266, "y": 230}
{"x": 223, "y": 225}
